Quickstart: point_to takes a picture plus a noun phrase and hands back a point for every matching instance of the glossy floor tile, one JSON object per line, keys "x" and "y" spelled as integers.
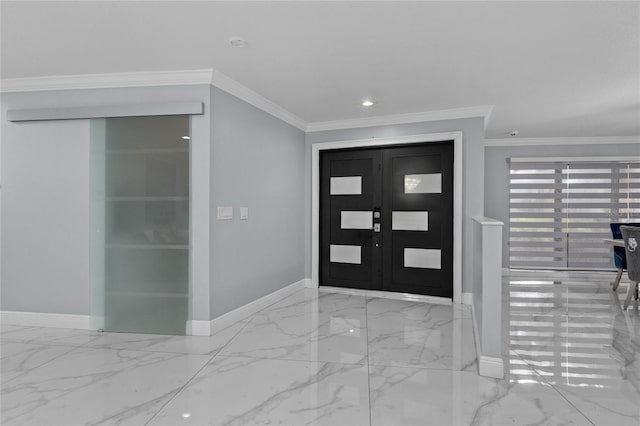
{"x": 51, "y": 336}
{"x": 251, "y": 391}
{"x": 310, "y": 326}
{"x": 571, "y": 329}
{"x": 411, "y": 396}
{"x": 16, "y": 358}
{"x": 97, "y": 386}
{"x": 321, "y": 358}
{"x": 414, "y": 334}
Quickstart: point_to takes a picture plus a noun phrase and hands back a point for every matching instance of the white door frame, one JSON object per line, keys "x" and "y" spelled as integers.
{"x": 400, "y": 140}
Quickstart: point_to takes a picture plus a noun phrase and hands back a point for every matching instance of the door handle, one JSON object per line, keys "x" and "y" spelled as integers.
{"x": 376, "y": 215}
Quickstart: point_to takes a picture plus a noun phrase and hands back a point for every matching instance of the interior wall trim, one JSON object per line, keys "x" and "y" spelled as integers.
{"x": 108, "y": 80}
{"x": 223, "y": 82}
{"x": 207, "y": 328}
{"x": 483, "y": 111}
{"x": 106, "y": 111}
{"x": 575, "y": 159}
{"x": 39, "y": 319}
{"x": 156, "y": 78}
{"x": 598, "y": 140}
{"x": 200, "y": 328}
{"x": 487, "y": 366}
{"x": 229, "y": 85}
{"x": 400, "y": 140}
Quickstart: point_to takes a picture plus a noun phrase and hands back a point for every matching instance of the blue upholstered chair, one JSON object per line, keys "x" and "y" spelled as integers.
{"x": 631, "y": 236}
{"x": 619, "y": 257}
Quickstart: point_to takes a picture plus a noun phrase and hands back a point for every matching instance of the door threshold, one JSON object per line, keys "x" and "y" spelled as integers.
{"x": 388, "y": 295}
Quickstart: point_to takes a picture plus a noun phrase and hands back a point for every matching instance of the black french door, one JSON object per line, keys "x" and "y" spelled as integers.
{"x": 386, "y": 219}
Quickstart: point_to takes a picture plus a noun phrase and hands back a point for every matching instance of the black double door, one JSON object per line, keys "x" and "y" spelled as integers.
{"x": 386, "y": 219}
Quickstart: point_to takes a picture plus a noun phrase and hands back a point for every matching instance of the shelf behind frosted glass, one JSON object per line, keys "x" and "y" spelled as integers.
{"x": 148, "y": 246}
{"x": 138, "y": 294}
{"x": 147, "y": 198}
{"x": 164, "y": 174}
{"x": 117, "y": 285}
{"x": 147, "y": 151}
{"x": 158, "y": 315}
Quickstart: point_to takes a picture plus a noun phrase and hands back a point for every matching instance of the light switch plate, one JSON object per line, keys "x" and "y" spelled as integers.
{"x": 225, "y": 213}
{"x": 244, "y": 213}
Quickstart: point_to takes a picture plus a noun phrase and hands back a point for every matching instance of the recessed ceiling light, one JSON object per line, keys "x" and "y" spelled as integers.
{"x": 237, "y": 42}
{"x": 186, "y": 415}
{"x": 367, "y": 103}
{"x": 186, "y": 138}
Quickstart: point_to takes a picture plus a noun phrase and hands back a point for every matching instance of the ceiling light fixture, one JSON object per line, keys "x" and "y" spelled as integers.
{"x": 237, "y": 42}
{"x": 186, "y": 138}
{"x": 367, "y": 103}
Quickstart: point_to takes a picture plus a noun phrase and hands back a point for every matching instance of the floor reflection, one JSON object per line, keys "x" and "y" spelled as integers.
{"x": 569, "y": 327}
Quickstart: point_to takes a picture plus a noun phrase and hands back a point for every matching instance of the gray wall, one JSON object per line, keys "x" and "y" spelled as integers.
{"x": 45, "y": 198}
{"x": 496, "y": 183}
{"x": 473, "y": 173}
{"x": 257, "y": 161}
{"x": 45, "y": 217}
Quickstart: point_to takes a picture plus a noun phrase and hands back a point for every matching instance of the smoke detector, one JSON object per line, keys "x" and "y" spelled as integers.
{"x": 237, "y": 42}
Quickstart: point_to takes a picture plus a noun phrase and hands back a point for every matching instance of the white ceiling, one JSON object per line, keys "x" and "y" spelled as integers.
{"x": 566, "y": 69}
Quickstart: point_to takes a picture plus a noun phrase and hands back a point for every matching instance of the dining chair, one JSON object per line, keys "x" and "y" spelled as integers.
{"x": 619, "y": 257}
{"x": 631, "y": 237}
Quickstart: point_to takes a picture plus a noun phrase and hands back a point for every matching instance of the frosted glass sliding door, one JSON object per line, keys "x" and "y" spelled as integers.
{"x": 140, "y": 220}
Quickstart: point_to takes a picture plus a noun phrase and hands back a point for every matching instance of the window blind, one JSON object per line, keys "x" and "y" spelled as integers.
{"x": 559, "y": 212}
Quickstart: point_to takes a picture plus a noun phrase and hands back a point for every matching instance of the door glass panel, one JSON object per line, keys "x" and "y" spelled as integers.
{"x": 345, "y": 254}
{"x": 140, "y": 221}
{"x": 356, "y": 220}
{"x": 422, "y": 258}
{"x": 349, "y": 185}
{"x": 410, "y": 221}
{"x": 423, "y": 184}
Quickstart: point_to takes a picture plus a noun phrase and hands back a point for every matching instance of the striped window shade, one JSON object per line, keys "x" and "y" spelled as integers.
{"x": 559, "y": 212}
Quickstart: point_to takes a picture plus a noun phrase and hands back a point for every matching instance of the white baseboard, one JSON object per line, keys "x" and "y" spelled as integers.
{"x": 467, "y": 298}
{"x": 200, "y": 328}
{"x": 38, "y": 319}
{"x": 249, "y": 309}
{"x": 388, "y": 295}
{"x": 489, "y": 366}
{"x": 476, "y": 334}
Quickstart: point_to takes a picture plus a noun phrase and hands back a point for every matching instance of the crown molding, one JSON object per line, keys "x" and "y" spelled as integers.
{"x": 229, "y": 85}
{"x": 103, "y": 81}
{"x": 483, "y": 111}
{"x": 223, "y": 82}
{"x": 597, "y": 140}
{"x": 154, "y": 78}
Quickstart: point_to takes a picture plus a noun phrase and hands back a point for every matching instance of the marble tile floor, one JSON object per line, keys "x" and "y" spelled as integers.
{"x": 336, "y": 359}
